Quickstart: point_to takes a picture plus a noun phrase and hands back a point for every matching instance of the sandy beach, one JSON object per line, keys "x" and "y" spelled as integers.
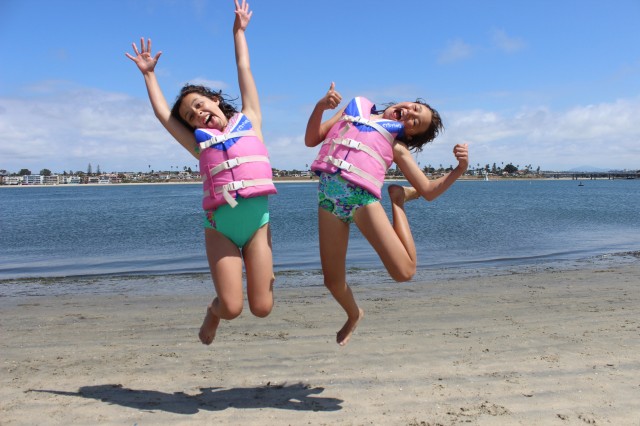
{"x": 539, "y": 348}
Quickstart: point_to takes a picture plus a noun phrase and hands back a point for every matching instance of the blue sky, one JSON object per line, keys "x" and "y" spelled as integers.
{"x": 554, "y": 84}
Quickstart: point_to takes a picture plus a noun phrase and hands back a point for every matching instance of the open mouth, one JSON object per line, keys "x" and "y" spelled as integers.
{"x": 209, "y": 117}
{"x": 397, "y": 114}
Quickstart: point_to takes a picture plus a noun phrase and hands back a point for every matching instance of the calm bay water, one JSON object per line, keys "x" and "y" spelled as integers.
{"x": 156, "y": 229}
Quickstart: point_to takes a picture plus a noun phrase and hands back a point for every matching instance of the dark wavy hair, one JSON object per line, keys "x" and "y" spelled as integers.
{"x": 225, "y": 103}
{"x": 417, "y": 142}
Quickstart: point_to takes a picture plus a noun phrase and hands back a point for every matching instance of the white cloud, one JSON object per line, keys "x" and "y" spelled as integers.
{"x": 506, "y": 43}
{"x": 455, "y": 50}
{"x": 289, "y": 152}
{"x": 62, "y": 127}
{"x": 601, "y": 135}
{"x": 81, "y": 126}
{"x": 213, "y": 84}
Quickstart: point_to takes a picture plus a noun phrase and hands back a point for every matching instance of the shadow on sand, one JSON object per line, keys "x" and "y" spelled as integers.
{"x": 285, "y": 397}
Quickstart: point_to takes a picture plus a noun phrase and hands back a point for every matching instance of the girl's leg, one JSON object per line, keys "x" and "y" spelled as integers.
{"x": 334, "y": 238}
{"x": 393, "y": 243}
{"x": 225, "y": 264}
{"x": 258, "y": 261}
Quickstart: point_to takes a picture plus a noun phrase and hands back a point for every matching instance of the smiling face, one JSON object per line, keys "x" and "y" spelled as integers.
{"x": 415, "y": 117}
{"x": 200, "y": 111}
{"x": 422, "y": 123}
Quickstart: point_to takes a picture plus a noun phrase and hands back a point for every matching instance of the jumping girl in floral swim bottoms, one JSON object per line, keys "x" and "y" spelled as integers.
{"x": 359, "y": 144}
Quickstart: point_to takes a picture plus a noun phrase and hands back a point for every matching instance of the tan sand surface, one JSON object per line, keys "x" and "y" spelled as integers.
{"x": 540, "y": 348}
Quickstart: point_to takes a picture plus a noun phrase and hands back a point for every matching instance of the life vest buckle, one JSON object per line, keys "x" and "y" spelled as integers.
{"x": 341, "y": 164}
{"x": 234, "y": 186}
{"x": 220, "y": 138}
{"x": 231, "y": 163}
{"x": 352, "y": 143}
{"x": 214, "y": 140}
{"x": 354, "y": 119}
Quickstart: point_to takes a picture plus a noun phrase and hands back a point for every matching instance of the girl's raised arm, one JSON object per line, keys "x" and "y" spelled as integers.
{"x": 248, "y": 89}
{"x": 430, "y": 189}
{"x": 146, "y": 63}
{"x": 316, "y": 129}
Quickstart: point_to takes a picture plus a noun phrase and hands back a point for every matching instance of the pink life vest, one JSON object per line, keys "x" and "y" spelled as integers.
{"x": 233, "y": 163}
{"x": 361, "y": 149}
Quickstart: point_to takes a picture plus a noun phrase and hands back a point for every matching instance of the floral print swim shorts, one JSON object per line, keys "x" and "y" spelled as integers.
{"x": 342, "y": 198}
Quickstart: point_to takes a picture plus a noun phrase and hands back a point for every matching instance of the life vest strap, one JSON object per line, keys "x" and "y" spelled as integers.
{"x": 235, "y": 186}
{"x": 351, "y": 143}
{"x": 361, "y": 120}
{"x": 234, "y": 162}
{"x": 344, "y": 165}
{"x": 218, "y": 139}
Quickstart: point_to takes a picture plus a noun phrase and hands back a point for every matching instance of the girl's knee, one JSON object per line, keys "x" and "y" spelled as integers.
{"x": 403, "y": 275}
{"x": 261, "y": 309}
{"x": 229, "y": 311}
{"x": 260, "y": 297}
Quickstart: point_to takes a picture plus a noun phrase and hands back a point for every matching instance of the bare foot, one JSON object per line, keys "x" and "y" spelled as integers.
{"x": 348, "y": 328}
{"x": 400, "y": 194}
{"x": 208, "y": 328}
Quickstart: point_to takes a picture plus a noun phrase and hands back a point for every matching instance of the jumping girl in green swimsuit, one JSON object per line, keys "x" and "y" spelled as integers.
{"x": 231, "y": 235}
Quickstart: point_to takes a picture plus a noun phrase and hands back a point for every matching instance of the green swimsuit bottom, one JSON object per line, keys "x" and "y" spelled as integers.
{"x": 239, "y": 224}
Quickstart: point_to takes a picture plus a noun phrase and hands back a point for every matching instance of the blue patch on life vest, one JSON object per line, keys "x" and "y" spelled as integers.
{"x": 391, "y": 126}
{"x": 352, "y": 109}
{"x": 201, "y": 135}
{"x": 242, "y": 124}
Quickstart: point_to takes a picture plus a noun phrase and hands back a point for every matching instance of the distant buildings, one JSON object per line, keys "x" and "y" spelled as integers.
{"x": 98, "y": 179}
{"x": 40, "y": 180}
{"x": 188, "y": 176}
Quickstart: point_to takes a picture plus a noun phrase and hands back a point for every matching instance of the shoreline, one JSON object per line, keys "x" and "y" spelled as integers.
{"x": 315, "y": 180}
{"x": 536, "y": 348}
{"x": 310, "y": 277}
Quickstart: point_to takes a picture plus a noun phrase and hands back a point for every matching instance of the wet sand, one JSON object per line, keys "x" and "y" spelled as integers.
{"x": 538, "y": 348}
